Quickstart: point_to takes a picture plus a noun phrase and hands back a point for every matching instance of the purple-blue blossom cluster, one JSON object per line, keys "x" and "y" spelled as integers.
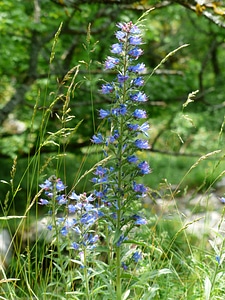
{"x": 79, "y": 214}
{"x": 116, "y": 182}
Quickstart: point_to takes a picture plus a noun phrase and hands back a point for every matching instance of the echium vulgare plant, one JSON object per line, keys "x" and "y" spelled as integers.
{"x": 112, "y": 208}
{"x": 117, "y": 188}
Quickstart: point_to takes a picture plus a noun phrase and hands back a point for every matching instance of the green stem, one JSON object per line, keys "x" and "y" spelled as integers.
{"x": 86, "y": 275}
{"x": 120, "y": 187}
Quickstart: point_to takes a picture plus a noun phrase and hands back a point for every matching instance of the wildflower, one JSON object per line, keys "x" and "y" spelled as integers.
{"x": 139, "y": 97}
{"x": 140, "y": 114}
{"x": 59, "y": 185}
{"x": 144, "y": 168}
{"x": 124, "y": 266}
{"x": 64, "y": 231}
{"x": 99, "y": 180}
{"x": 218, "y": 259}
{"x": 144, "y": 128}
{"x": 121, "y": 110}
{"x": 92, "y": 239}
{"x": 135, "y": 30}
{"x": 72, "y": 208}
{"x": 120, "y": 35}
{"x": 135, "y": 52}
{"x": 137, "y": 256}
{"x": 46, "y": 185}
{"x": 139, "y": 81}
{"x": 122, "y": 78}
{"x": 88, "y": 219}
{"x": 97, "y": 139}
{"x": 139, "y": 188}
{"x": 107, "y": 88}
{"x": 132, "y": 159}
{"x": 74, "y": 196}
{"x": 132, "y": 127}
{"x": 111, "y": 62}
{"x": 137, "y": 69}
{"x": 114, "y": 137}
{"x": 120, "y": 240}
{"x": 61, "y": 199}
{"x": 43, "y": 202}
{"x": 75, "y": 246}
{"x": 100, "y": 171}
{"x": 139, "y": 220}
{"x": 135, "y": 40}
{"x": 117, "y": 48}
{"x": 49, "y": 227}
{"x": 104, "y": 113}
{"x": 141, "y": 144}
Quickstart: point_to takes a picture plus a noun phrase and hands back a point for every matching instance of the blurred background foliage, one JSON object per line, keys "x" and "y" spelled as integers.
{"x": 41, "y": 41}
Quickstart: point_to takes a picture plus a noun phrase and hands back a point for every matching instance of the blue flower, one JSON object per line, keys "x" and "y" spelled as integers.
{"x": 49, "y": 227}
{"x": 139, "y": 81}
{"x": 64, "y": 231}
{"x": 117, "y": 48}
{"x": 218, "y": 259}
{"x": 113, "y": 137}
{"x": 60, "y": 186}
{"x": 124, "y": 266}
{"x": 46, "y": 185}
{"x": 97, "y": 139}
{"x": 132, "y": 159}
{"x": 43, "y": 202}
{"x": 135, "y": 40}
{"x": 120, "y": 35}
{"x": 139, "y": 220}
{"x": 141, "y": 144}
{"x": 111, "y": 62}
{"x": 99, "y": 180}
{"x": 132, "y": 127}
{"x": 139, "y": 188}
{"x": 72, "y": 208}
{"x": 100, "y": 171}
{"x": 120, "y": 240}
{"x": 122, "y": 109}
{"x": 144, "y": 168}
{"x": 74, "y": 196}
{"x": 135, "y": 30}
{"x": 104, "y": 113}
{"x": 144, "y": 128}
{"x": 61, "y": 199}
{"x": 92, "y": 239}
{"x": 75, "y": 246}
{"x": 122, "y": 78}
{"x": 139, "y": 97}
{"x": 99, "y": 194}
{"x": 137, "y": 256}
{"x": 107, "y": 88}
{"x": 88, "y": 219}
{"x": 135, "y": 52}
{"x": 140, "y": 114}
{"x": 137, "y": 69}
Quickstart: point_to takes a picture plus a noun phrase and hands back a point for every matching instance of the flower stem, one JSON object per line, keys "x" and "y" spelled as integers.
{"x": 87, "y": 294}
